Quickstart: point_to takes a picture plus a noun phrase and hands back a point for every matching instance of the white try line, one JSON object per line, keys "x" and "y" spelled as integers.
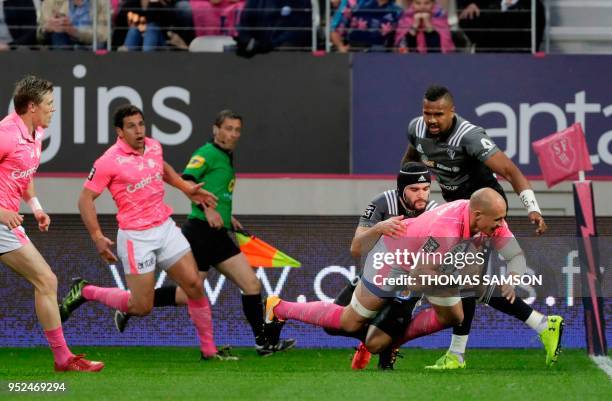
{"x": 604, "y": 363}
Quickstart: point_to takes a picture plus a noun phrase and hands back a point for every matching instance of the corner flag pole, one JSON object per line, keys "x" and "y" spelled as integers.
{"x": 591, "y": 276}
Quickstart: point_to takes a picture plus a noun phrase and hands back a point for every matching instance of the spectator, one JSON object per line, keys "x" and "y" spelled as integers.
{"x": 148, "y": 24}
{"x": 20, "y": 18}
{"x": 268, "y": 24}
{"x": 424, "y": 27}
{"x": 216, "y": 17}
{"x": 70, "y": 23}
{"x": 501, "y": 25}
{"x": 370, "y": 24}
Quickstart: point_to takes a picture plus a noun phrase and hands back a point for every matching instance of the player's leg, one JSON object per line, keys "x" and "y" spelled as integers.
{"x": 343, "y": 299}
{"x": 549, "y": 328}
{"x": 136, "y": 250}
{"x": 238, "y": 270}
{"x": 390, "y": 324}
{"x": 459, "y": 338}
{"x": 29, "y": 263}
{"x": 184, "y": 273}
{"x": 363, "y": 307}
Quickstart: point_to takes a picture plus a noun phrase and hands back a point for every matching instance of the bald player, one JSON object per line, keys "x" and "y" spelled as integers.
{"x": 441, "y": 230}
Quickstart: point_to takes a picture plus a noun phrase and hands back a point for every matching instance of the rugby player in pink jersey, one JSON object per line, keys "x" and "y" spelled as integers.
{"x": 21, "y": 134}
{"x": 439, "y": 230}
{"x": 134, "y": 172}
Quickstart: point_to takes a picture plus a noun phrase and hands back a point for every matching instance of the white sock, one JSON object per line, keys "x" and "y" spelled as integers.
{"x": 537, "y": 321}
{"x": 458, "y": 344}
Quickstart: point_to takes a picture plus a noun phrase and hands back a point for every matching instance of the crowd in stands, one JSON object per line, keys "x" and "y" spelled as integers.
{"x": 259, "y": 26}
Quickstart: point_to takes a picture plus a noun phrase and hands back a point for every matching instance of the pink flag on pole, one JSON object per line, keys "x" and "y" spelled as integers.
{"x": 563, "y": 154}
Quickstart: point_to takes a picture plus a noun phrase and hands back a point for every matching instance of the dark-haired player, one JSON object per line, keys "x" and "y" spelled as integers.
{"x": 464, "y": 159}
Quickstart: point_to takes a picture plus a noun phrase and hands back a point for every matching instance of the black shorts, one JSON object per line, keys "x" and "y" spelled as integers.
{"x": 210, "y": 246}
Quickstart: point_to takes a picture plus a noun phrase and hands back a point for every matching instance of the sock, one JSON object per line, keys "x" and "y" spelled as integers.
{"x": 201, "y": 316}
{"x": 519, "y": 309}
{"x": 165, "y": 296}
{"x": 344, "y": 297}
{"x": 252, "y": 306}
{"x": 457, "y": 346}
{"x": 469, "y": 308}
{"x": 537, "y": 321}
{"x": 319, "y": 313}
{"x": 115, "y": 298}
{"x": 57, "y": 342}
{"x": 425, "y": 322}
{"x": 359, "y": 335}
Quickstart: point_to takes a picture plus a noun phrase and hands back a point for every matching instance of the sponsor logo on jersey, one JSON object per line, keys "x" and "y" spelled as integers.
{"x": 443, "y": 167}
{"x": 448, "y": 187}
{"x": 451, "y": 153}
{"x": 196, "y": 162}
{"x": 16, "y": 174}
{"x": 367, "y": 214}
{"x": 486, "y": 143}
{"x": 431, "y": 245}
{"x": 231, "y": 185}
{"x": 131, "y": 188}
{"x": 91, "y": 174}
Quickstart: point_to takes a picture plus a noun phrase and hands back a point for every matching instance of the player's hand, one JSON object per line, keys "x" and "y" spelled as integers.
{"x": 507, "y": 292}
{"x": 43, "y": 220}
{"x": 392, "y": 227}
{"x": 213, "y": 217}
{"x": 470, "y": 12}
{"x": 10, "y": 219}
{"x": 236, "y": 225}
{"x": 103, "y": 245}
{"x": 201, "y": 196}
{"x": 536, "y": 218}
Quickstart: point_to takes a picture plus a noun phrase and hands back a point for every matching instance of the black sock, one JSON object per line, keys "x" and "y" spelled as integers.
{"x": 519, "y": 309}
{"x": 253, "y": 309}
{"x": 359, "y": 335}
{"x": 344, "y": 297}
{"x": 469, "y": 308}
{"x": 165, "y": 296}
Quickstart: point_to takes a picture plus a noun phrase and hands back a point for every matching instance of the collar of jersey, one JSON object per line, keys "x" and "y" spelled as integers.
{"x": 23, "y": 129}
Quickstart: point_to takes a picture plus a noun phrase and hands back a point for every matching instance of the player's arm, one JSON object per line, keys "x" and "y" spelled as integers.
{"x": 29, "y": 196}
{"x": 411, "y": 155}
{"x": 87, "y": 208}
{"x": 192, "y": 190}
{"x": 502, "y": 165}
{"x": 511, "y": 251}
{"x": 366, "y": 237}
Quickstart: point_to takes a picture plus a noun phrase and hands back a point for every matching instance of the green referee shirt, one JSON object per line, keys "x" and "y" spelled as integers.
{"x": 213, "y": 166}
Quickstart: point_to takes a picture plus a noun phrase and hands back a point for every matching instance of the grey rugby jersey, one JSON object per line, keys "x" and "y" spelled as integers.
{"x": 388, "y": 205}
{"x": 457, "y": 159}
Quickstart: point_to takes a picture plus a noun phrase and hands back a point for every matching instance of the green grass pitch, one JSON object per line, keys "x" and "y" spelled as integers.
{"x": 139, "y": 373}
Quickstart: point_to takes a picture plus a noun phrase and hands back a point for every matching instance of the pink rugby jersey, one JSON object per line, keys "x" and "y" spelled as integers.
{"x": 136, "y": 183}
{"x": 19, "y": 159}
{"x": 440, "y": 229}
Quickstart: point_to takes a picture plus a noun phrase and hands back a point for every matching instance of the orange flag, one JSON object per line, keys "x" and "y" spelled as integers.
{"x": 261, "y": 254}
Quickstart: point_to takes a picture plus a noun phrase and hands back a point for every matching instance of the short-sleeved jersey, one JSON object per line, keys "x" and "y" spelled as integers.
{"x": 385, "y": 205}
{"x": 136, "y": 183}
{"x": 440, "y": 230}
{"x": 19, "y": 159}
{"x": 457, "y": 157}
{"x": 214, "y": 166}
